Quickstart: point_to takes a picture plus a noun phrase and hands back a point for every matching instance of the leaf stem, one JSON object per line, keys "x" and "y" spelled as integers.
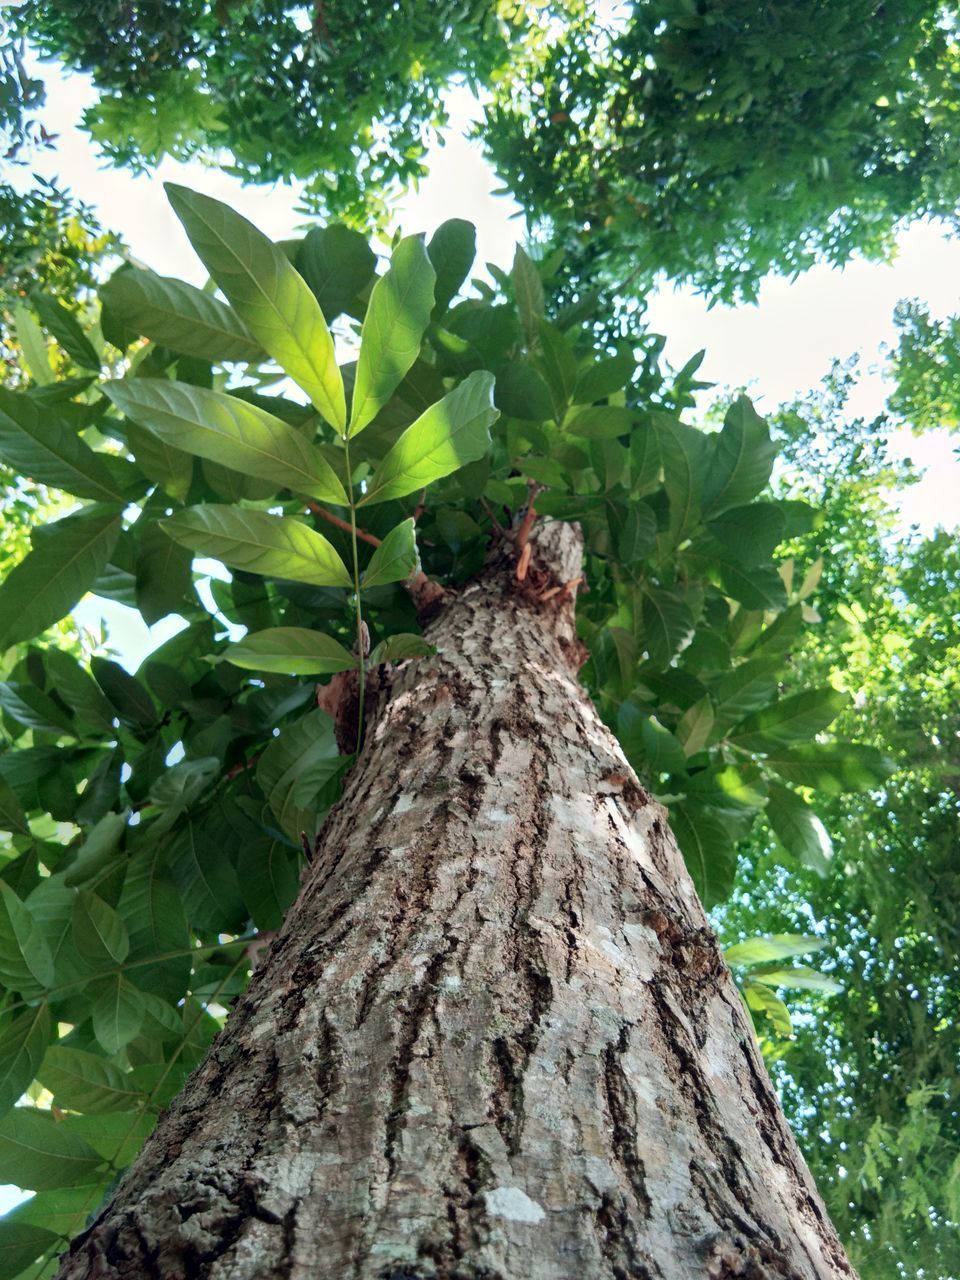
{"x": 361, "y": 665}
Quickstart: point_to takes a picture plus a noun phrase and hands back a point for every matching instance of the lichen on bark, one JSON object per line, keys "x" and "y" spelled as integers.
{"x": 495, "y": 1038}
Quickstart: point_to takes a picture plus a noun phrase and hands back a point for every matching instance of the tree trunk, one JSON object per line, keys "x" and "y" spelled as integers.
{"x": 495, "y": 1038}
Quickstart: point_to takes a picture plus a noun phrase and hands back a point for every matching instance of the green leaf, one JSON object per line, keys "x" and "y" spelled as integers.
{"x": 205, "y": 876}
{"x": 759, "y": 587}
{"x": 396, "y": 559}
{"x": 393, "y": 329}
{"x": 269, "y": 875}
{"x": 799, "y": 977}
{"x": 709, "y": 849}
{"x": 22, "y": 1244}
{"x": 12, "y": 817}
{"x": 99, "y": 933}
{"x": 294, "y": 768}
{"x": 229, "y": 431}
{"x": 795, "y": 719}
{"x": 638, "y": 536}
{"x": 277, "y": 546}
{"x": 164, "y": 573}
{"x": 38, "y": 1153}
{"x": 604, "y": 378}
{"x": 683, "y": 451}
{"x": 775, "y": 946}
{"x": 170, "y": 468}
{"x": 23, "y": 1041}
{"x": 152, "y": 910}
{"x": 181, "y": 786}
{"x": 558, "y": 363}
{"x": 63, "y": 325}
{"x": 741, "y": 459}
{"x": 600, "y": 422}
{"x": 661, "y": 749}
{"x": 118, "y": 1013}
{"x": 128, "y": 697}
{"x": 452, "y": 249}
{"x": 267, "y": 293}
{"x": 179, "y": 317}
{"x": 694, "y": 728}
{"x": 33, "y": 345}
{"x": 338, "y": 265}
{"x": 831, "y": 767}
{"x": 57, "y": 573}
{"x": 528, "y": 289}
{"x": 749, "y": 533}
{"x": 41, "y": 442}
{"x": 799, "y": 829}
{"x": 98, "y": 851}
{"x": 667, "y": 622}
{"x": 762, "y": 1000}
{"x": 28, "y": 706}
{"x": 744, "y": 689}
{"x": 26, "y": 964}
{"x": 82, "y": 1081}
{"x": 292, "y": 651}
{"x": 397, "y": 648}
{"x": 444, "y": 438}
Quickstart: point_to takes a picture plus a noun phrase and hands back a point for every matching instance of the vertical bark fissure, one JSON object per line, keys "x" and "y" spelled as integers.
{"x": 495, "y": 1039}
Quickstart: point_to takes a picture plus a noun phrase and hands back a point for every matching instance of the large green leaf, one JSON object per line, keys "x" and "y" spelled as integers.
{"x": 558, "y": 364}
{"x": 667, "y": 622}
{"x": 164, "y": 573}
{"x": 775, "y": 946}
{"x": 268, "y": 294}
{"x": 62, "y": 567}
{"x": 12, "y": 817}
{"x": 798, "y": 718}
{"x": 179, "y": 317}
{"x": 741, "y": 459}
{"x": 396, "y": 559}
{"x": 292, "y": 651}
{"x": 26, "y": 964}
{"x": 65, "y": 327}
{"x": 762, "y": 1000}
{"x": 229, "y": 431}
{"x": 683, "y": 451}
{"x": 278, "y": 546}
{"x": 118, "y": 1012}
{"x": 799, "y": 829}
{"x": 41, "y": 1154}
{"x": 709, "y": 848}
{"x": 393, "y": 329}
{"x": 444, "y": 438}
{"x": 831, "y": 767}
{"x": 152, "y": 910}
{"x": 82, "y": 1081}
{"x": 41, "y": 441}
{"x": 201, "y": 866}
{"x": 21, "y": 1244}
{"x": 528, "y": 290}
{"x": 99, "y": 933}
{"x": 338, "y": 265}
{"x": 452, "y": 249}
{"x": 750, "y": 533}
{"x": 295, "y": 767}
{"x": 799, "y": 976}
{"x": 23, "y": 1042}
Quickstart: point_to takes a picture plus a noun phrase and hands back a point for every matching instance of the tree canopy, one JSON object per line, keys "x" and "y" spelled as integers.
{"x": 712, "y": 142}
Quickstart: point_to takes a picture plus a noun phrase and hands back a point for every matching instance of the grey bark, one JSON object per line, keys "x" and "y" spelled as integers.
{"x": 495, "y": 1039}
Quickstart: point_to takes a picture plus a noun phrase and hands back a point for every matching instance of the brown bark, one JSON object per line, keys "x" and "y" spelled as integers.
{"x": 495, "y": 1038}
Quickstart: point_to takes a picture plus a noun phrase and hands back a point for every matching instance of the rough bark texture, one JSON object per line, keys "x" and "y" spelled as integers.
{"x": 495, "y": 1038}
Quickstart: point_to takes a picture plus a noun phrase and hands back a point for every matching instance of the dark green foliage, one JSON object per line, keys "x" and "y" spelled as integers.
{"x": 870, "y": 1082}
{"x": 714, "y": 140}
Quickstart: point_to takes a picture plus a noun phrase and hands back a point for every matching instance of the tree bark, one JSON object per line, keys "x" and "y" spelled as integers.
{"x": 495, "y": 1038}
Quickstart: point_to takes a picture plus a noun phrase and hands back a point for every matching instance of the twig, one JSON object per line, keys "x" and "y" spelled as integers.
{"x": 523, "y": 532}
{"x": 523, "y": 564}
{"x": 421, "y": 506}
{"x": 493, "y": 519}
{"x": 565, "y": 590}
{"x": 343, "y": 524}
